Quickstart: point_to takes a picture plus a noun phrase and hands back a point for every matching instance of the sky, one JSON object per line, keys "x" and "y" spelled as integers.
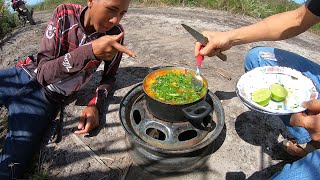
{"x": 299, "y": 1}
{"x": 31, "y": 2}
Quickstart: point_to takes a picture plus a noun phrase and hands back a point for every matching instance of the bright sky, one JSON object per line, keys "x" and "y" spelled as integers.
{"x": 31, "y": 2}
{"x": 299, "y": 1}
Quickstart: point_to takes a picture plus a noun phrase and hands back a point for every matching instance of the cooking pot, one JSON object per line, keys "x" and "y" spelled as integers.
{"x": 174, "y": 112}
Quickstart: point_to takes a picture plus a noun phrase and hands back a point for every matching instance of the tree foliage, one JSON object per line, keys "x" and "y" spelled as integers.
{"x": 8, "y": 21}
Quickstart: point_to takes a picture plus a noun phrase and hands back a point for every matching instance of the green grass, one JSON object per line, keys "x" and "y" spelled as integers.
{"x": 40, "y": 176}
{"x": 36, "y": 171}
{"x": 8, "y": 21}
{"x": 3, "y": 125}
{"x": 4, "y": 121}
{"x": 52, "y": 4}
{"x": 253, "y": 8}
{"x": 316, "y": 29}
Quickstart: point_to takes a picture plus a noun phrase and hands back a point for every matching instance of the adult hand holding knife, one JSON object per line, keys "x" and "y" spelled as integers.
{"x": 202, "y": 42}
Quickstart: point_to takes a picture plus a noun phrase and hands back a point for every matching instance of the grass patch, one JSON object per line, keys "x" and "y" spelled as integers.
{"x": 40, "y": 176}
{"x": 253, "y": 8}
{"x": 52, "y": 4}
{"x": 316, "y": 29}
{"x": 36, "y": 170}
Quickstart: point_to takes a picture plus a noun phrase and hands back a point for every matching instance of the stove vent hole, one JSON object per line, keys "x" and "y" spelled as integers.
{"x": 136, "y": 116}
{"x": 156, "y": 134}
{"x": 187, "y": 135}
{"x": 207, "y": 121}
{"x": 199, "y": 111}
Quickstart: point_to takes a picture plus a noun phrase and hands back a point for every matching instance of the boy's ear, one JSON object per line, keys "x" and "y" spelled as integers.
{"x": 89, "y": 3}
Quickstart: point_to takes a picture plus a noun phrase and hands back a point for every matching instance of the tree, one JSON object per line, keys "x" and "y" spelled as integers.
{"x": 7, "y": 19}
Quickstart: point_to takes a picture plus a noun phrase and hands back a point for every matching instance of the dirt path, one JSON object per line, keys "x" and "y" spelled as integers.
{"x": 248, "y": 148}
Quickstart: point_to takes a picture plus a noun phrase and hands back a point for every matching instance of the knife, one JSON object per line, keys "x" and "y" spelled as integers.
{"x": 202, "y": 39}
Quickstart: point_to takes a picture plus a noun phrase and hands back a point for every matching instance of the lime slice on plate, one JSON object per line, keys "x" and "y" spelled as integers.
{"x": 261, "y": 96}
{"x": 278, "y": 92}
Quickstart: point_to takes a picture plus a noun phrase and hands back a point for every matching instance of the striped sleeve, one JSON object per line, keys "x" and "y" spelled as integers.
{"x": 53, "y": 65}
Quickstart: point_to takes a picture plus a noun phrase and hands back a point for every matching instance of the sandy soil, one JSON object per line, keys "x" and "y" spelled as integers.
{"x": 248, "y": 146}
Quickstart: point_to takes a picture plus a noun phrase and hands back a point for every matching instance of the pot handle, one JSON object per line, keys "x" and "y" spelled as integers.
{"x": 197, "y": 111}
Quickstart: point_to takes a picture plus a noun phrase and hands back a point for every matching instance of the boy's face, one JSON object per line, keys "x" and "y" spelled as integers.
{"x": 104, "y": 14}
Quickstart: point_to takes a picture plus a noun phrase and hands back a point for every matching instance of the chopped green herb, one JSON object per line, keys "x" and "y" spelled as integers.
{"x": 175, "y": 88}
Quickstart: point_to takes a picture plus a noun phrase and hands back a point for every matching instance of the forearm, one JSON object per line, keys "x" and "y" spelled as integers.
{"x": 108, "y": 80}
{"x": 277, "y": 27}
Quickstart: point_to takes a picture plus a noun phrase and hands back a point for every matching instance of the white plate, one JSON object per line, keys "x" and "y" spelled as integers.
{"x": 300, "y": 88}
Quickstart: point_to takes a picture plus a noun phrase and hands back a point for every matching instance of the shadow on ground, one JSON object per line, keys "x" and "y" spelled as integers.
{"x": 131, "y": 172}
{"x": 126, "y": 76}
{"x": 222, "y": 95}
{"x": 262, "y": 130}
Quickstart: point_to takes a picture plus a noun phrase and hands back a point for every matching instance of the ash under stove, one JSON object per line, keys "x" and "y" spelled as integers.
{"x": 161, "y": 146}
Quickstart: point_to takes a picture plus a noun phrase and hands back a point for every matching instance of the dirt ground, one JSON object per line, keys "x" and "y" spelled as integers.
{"x": 249, "y": 142}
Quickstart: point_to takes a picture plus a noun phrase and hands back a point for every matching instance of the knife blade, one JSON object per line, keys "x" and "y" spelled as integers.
{"x": 198, "y": 36}
{"x": 202, "y": 39}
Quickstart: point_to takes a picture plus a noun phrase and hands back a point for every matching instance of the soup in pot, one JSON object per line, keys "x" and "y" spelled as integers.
{"x": 173, "y": 86}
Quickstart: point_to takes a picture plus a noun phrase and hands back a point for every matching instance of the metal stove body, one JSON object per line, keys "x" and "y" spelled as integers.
{"x": 161, "y": 146}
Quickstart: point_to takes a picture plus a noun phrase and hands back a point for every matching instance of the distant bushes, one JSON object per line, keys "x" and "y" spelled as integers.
{"x": 52, "y": 4}
{"x": 254, "y": 8}
{"x": 8, "y": 21}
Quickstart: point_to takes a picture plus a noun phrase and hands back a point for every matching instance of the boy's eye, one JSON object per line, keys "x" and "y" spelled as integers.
{"x": 112, "y": 10}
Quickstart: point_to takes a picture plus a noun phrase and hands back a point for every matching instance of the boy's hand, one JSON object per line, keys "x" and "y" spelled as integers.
{"x": 309, "y": 120}
{"x": 106, "y": 47}
{"x": 89, "y": 119}
{"x": 217, "y": 42}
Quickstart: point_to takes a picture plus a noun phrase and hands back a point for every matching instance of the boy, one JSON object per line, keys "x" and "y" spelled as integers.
{"x": 76, "y": 41}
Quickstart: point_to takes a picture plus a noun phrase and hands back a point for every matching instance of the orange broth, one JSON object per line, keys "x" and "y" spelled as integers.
{"x": 151, "y": 79}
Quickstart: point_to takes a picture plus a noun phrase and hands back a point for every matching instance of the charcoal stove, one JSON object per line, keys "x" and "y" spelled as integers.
{"x": 161, "y": 146}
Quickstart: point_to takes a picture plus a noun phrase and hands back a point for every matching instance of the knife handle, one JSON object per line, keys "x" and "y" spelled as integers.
{"x": 222, "y": 56}
{"x": 200, "y": 57}
{"x": 199, "y": 60}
